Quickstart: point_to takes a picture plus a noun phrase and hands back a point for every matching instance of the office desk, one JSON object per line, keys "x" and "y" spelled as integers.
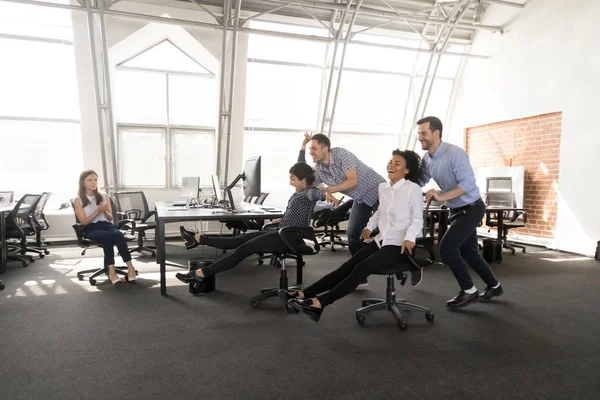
{"x": 164, "y": 215}
{"x": 500, "y": 210}
{"x": 3, "y": 211}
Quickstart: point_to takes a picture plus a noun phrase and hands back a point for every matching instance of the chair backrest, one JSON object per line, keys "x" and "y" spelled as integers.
{"x": 24, "y": 208}
{"x": 261, "y": 199}
{"x": 247, "y": 199}
{"x": 133, "y": 204}
{"x": 504, "y": 199}
{"x": 6, "y": 198}
{"x": 38, "y": 217}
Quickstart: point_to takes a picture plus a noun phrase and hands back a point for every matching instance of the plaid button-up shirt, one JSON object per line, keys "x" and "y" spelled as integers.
{"x": 340, "y": 161}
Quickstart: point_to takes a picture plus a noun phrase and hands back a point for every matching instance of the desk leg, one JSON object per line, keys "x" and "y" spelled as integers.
{"x": 160, "y": 254}
{"x": 3, "y": 241}
{"x": 500, "y": 225}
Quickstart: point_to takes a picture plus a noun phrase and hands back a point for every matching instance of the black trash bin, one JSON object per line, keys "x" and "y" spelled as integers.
{"x": 208, "y": 284}
{"x": 492, "y": 251}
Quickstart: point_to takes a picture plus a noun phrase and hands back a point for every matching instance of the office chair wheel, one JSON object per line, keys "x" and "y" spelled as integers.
{"x": 2, "y": 286}
{"x": 430, "y": 316}
{"x": 260, "y": 262}
{"x": 360, "y": 318}
{"x": 42, "y": 255}
{"x": 80, "y": 277}
{"x": 333, "y": 250}
{"x": 402, "y": 325}
{"x": 92, "y": 282}
{"x": 254, "y": 303}
{"x": 31, "y": 259}
{"x": 24, "y": 264}
{"x": 46, "y": 252}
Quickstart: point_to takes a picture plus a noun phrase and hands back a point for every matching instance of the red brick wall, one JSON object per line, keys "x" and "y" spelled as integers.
{"x": 534, "y": 143}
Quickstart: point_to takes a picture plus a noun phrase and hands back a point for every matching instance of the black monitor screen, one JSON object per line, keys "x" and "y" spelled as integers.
{"x": 217, "y": 188}
{"x": 252, "y": 177}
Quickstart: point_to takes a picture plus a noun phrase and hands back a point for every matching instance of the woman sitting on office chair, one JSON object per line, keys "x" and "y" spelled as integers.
{"x": 399, "y": 219}
{"x": 300, "y": 205}
{"x": 94, "y": 211}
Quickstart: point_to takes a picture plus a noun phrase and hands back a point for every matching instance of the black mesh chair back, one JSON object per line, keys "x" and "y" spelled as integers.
{"x": 24, "y": 208}
{"x": 247, "y": 199}
{"x": 6, "y": 198}
{"x": 133, "y": 204}
{"x": 261, "y": 199}
{"x": 39, "y": 219}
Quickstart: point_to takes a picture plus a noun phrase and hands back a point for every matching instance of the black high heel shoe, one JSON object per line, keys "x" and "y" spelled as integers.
{"x": 307, "y": 308}
{"x": 189, "y": 277}
{"x": 189, "y": 237}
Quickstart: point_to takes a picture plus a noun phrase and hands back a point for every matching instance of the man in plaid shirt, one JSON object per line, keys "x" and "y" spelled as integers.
{"x": 338, "y": 170}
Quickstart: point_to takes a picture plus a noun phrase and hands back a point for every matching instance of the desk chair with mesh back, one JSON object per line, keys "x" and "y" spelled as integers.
{"x": 134, "y": 206}
{"x": 18, "y": 227}
{"x": 296, "y": 249}
{"x": 39, "y": 224}
{"x": 390, "y": 303}
{"x": 511, "y": 219}
{"x": 86, "y": 244}
{"x": 330, "y": 219}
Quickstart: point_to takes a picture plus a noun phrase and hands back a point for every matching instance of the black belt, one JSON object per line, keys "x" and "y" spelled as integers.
{"x": 473, "y": 204}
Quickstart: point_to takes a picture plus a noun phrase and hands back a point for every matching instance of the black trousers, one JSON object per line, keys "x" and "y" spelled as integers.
{"x": 259, "y": 242}
{"x": 459, "y": 250}
{"x": 345, "y": 279}
{"x": 109, "y": 236}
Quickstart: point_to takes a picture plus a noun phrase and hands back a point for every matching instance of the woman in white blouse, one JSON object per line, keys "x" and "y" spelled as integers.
{"x": 400, "y": 221}
{"x": 94, "y": 211}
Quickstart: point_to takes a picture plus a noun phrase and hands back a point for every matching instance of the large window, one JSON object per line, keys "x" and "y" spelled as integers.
{"x": 166, "y": 111}
{"x": 286, "y": 88}
{"x": 39, "y": 111}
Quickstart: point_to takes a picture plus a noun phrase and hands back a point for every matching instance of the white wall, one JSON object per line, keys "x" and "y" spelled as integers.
{"x": 548, "y": 60}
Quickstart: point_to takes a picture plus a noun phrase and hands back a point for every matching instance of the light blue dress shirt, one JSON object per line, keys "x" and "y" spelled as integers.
{"x": 450, "y": 167}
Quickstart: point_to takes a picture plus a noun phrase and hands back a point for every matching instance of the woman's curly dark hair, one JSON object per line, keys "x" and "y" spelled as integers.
{"x": 303, "y": 171}
{"x": 413, "y": 164}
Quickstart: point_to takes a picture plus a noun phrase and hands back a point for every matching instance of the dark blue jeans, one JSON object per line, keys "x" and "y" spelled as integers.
{"x": 459, "y": 250}
{"x": 109, "y": 236}
{"x": 359, "y": 216}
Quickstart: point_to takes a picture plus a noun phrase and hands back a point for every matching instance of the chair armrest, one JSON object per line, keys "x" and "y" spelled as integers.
{"x": 423, "y": 243}
{"x": 128, "y": 224}
{"x": 289, "y": 233}
{"x": 523, "y": 215}
{"x": 270, "y": 226}
{"x": 150, "y": 214}
{"x": 78, "y": 228}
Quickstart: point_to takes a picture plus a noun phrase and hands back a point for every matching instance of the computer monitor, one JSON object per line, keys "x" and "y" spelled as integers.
{"x": 217, "y": 188}
{"x": 190, "y": 187}
{"x": 251, "y": 177}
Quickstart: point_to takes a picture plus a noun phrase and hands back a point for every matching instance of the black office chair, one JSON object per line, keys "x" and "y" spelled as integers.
{"x": 297, "y": 249}
{"x": 390, "y": 303}
{"x": 294, "y": 238}
{"x": 261, "y": 199}
{"x": 86, "y": 244}
{"x": 18, "y": 227}
{"x": 134, "y": 206}
{"x": 330, "y": 220}
{"x": 511, "y": 219}
{"x": 38, "y": 221}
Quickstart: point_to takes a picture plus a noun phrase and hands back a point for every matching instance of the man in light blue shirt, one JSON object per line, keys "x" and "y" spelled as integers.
{"x": 449, "y": 166}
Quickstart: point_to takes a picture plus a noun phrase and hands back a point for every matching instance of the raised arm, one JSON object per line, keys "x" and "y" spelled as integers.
{"x": 302, "y": 153}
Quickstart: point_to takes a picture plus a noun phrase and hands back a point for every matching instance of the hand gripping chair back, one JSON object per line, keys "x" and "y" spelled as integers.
{"x": 390, "y": 303}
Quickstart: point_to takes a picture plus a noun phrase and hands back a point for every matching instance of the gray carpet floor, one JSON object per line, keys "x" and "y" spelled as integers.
{"x": 64, "y": 339}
